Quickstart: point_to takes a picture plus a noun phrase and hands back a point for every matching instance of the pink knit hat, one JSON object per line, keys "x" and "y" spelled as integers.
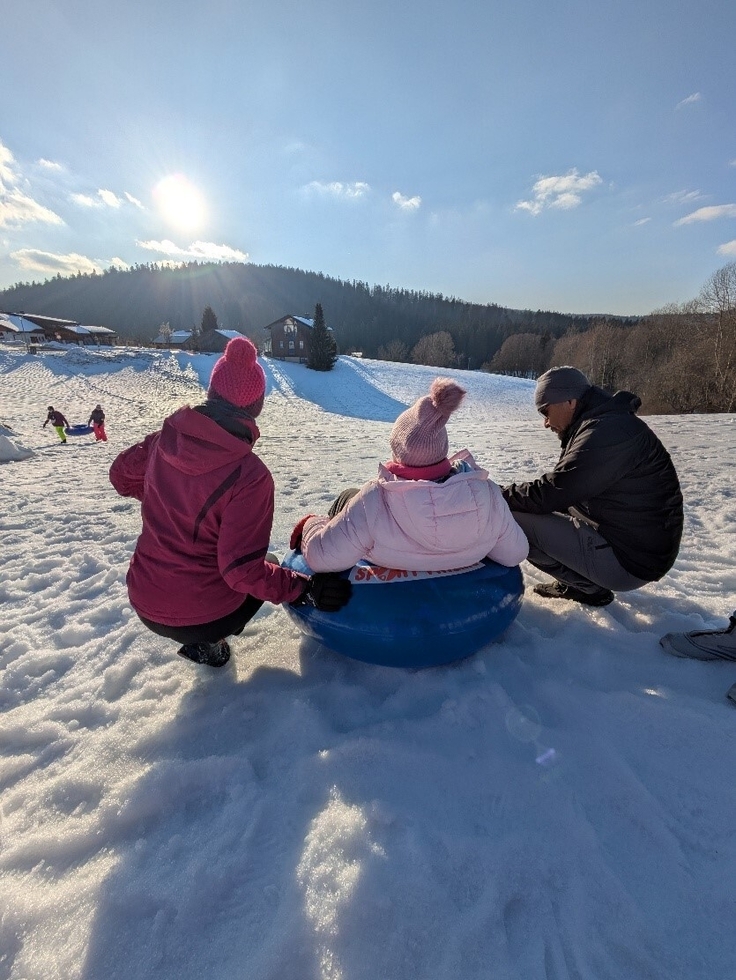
{"x": 419, "y": 436}
{"x": 238, "y": 377}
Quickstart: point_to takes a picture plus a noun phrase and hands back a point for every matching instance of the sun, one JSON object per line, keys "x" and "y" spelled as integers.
{"x": 180, "y": 202}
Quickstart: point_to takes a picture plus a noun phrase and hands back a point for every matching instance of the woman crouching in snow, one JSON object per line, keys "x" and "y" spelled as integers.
{"x": 201, "y": 568}
{"x": 423, "y": 512}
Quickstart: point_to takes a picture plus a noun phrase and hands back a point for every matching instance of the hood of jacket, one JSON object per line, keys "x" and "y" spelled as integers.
{"x": 194, "y": 444}
{"x": 441, "y": 517}
{"x": 596, "y": 402}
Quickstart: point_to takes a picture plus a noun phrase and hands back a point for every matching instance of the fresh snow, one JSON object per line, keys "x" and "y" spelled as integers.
{"x": 559, "y": 806}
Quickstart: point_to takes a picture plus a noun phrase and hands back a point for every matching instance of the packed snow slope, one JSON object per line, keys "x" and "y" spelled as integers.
{"x": 559, "y": 806}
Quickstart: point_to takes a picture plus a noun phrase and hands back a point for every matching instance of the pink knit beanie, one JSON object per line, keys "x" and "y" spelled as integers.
{"x": 419, "y": 436}
{"x": 238, "y": 377}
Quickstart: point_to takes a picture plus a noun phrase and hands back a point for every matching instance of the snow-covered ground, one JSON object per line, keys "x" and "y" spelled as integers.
{"x": 560, "y": 806}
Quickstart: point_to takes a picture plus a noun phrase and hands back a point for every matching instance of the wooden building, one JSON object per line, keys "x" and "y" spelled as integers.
{"x": 66, "y": 331}
{"x": 288, "y": 338}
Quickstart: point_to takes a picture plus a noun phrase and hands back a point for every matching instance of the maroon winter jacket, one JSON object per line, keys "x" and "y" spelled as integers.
{"x": 207, "y": 509}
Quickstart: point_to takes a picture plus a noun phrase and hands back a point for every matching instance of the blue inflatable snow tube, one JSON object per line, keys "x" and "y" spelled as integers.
{"x": 78, "y": 430}
{"x": 414, "y": 619}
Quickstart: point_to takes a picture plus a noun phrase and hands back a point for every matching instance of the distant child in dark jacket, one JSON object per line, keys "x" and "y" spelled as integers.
{"x": 59, "y": 422}
{"x": 97, "y": 421}
{"x": 201, "y": 567}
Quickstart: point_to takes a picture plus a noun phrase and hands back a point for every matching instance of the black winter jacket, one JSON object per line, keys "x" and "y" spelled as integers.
{"x": 614, "y": 473}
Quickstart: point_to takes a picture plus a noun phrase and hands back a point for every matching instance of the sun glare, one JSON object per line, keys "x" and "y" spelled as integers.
{"x": 179, "y": 202}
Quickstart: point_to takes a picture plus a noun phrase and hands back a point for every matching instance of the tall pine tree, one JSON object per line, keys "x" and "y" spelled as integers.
{"x": 322, "y": 347}
{"x": 209, "y": 319}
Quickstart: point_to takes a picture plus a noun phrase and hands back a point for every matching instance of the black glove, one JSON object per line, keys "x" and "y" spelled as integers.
{"x": 326, "y": 591}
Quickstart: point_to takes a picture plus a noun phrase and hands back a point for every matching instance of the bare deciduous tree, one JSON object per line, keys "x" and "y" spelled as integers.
{"x": 436, "y": 349}
{"x": 523, "y": 355}
{"x": 394, "y": 350}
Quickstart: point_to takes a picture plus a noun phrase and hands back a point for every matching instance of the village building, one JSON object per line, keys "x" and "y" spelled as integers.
{"x": 37, "y": 329}
{"x": 289, "y": 338}
{"x": 15, "y": 329}
{"x": 176, "y": 340}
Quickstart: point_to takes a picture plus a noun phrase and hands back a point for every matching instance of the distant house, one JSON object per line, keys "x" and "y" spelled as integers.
{"x": 46, "y": 328}
{"x": 177, "y": 339}
{"x": 212, "y": 341}
{"x": 16, "y": 329}
{"x": 98, "y": 335}
{"x": 289, "y": 338}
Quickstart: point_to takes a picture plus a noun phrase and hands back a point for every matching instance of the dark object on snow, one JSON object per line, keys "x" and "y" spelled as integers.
{"x": 210, "y": 654}
{"x": 326, "y": 591}
{"x": 559, "y": 590}
{"x": 704, "y": 644}
{"x": 731, "y": 694}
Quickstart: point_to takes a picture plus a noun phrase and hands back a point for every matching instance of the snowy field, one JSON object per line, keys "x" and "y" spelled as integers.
{"x": 558, "y": 807}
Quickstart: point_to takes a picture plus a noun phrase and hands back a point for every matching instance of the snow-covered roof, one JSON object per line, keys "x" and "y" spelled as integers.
{"x": 98, "y": 330}
{"x": 18, "y": 324}
{"x": 305, "y": 320}
{"x": 229, "y": 333}
{"x": 177, "y": 337}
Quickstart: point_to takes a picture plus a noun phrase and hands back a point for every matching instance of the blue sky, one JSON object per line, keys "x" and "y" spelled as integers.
{"x": 575, "y": 156}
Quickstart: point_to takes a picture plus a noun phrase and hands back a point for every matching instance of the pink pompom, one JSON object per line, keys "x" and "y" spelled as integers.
{"x": 446, "y": 395}
{"x": 241, "y": 352}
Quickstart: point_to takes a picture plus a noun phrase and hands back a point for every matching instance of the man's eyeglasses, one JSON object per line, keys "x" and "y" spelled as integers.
{"x": 544, "y": 411}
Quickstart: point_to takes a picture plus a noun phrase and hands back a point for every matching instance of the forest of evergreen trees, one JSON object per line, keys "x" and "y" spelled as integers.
{"x": 678, "y": 359}
{"x": 365, "y": 318}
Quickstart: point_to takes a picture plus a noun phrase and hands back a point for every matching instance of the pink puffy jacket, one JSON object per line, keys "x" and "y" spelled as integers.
{"x": 207, "y": 510}
{"x": 418, "y": 524}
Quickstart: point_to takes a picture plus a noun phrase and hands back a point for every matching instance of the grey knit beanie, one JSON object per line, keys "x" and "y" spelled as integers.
{"x": 419, "y": 436}
{"x": 560, "y": 384}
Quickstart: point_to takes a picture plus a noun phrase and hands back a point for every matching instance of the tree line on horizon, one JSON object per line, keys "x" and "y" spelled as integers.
{"x": 677, "y": 359}
{"x": 246, "y": 297}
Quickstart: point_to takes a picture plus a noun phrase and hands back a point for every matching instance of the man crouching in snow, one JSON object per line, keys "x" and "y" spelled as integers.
{"x": 608, "y": 518}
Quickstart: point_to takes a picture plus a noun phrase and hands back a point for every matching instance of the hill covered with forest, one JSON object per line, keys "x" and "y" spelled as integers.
{"x": 377, "y": 320}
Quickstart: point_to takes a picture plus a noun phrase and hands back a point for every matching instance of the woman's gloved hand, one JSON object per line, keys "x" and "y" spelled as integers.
{"x": 325, "y": 591}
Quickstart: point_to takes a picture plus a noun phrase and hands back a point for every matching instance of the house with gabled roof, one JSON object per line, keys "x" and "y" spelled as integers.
{"x": 16, "y": 329}
{"x": 288, "y": 338}
{"x": 213, "y": 341}
{"x": 51, "y": 328}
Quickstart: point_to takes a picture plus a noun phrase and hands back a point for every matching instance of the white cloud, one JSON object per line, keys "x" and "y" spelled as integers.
{"x": 695, "y": 97}
{"x": 641, "y": 221}
{"x": 683, "y": 197}
{"x": 16, "y": 208}
{"x": 119, "y": 263}
{"x": 49, "y": 165}
{"x": 406, "y": 203}
{"x": 7, "y": 173}
{"x": 34, "y": 260}
{"x": 134, "y": 201}
{"x": 338, "y": 189}
{"x": 197, "y": 250}
{"x": 732, "y": 163}
{"x": 85, "y": 201}
{"x": 561, "y": 192}
{"x": 729, "y": 248}
{"x": 709, "y": 214}
{"x": 103, "y": 198}
{"x": 110, "y": 199}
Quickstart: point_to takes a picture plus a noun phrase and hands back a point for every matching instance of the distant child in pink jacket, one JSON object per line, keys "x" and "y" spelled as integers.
{"x": 424, "y": 511}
